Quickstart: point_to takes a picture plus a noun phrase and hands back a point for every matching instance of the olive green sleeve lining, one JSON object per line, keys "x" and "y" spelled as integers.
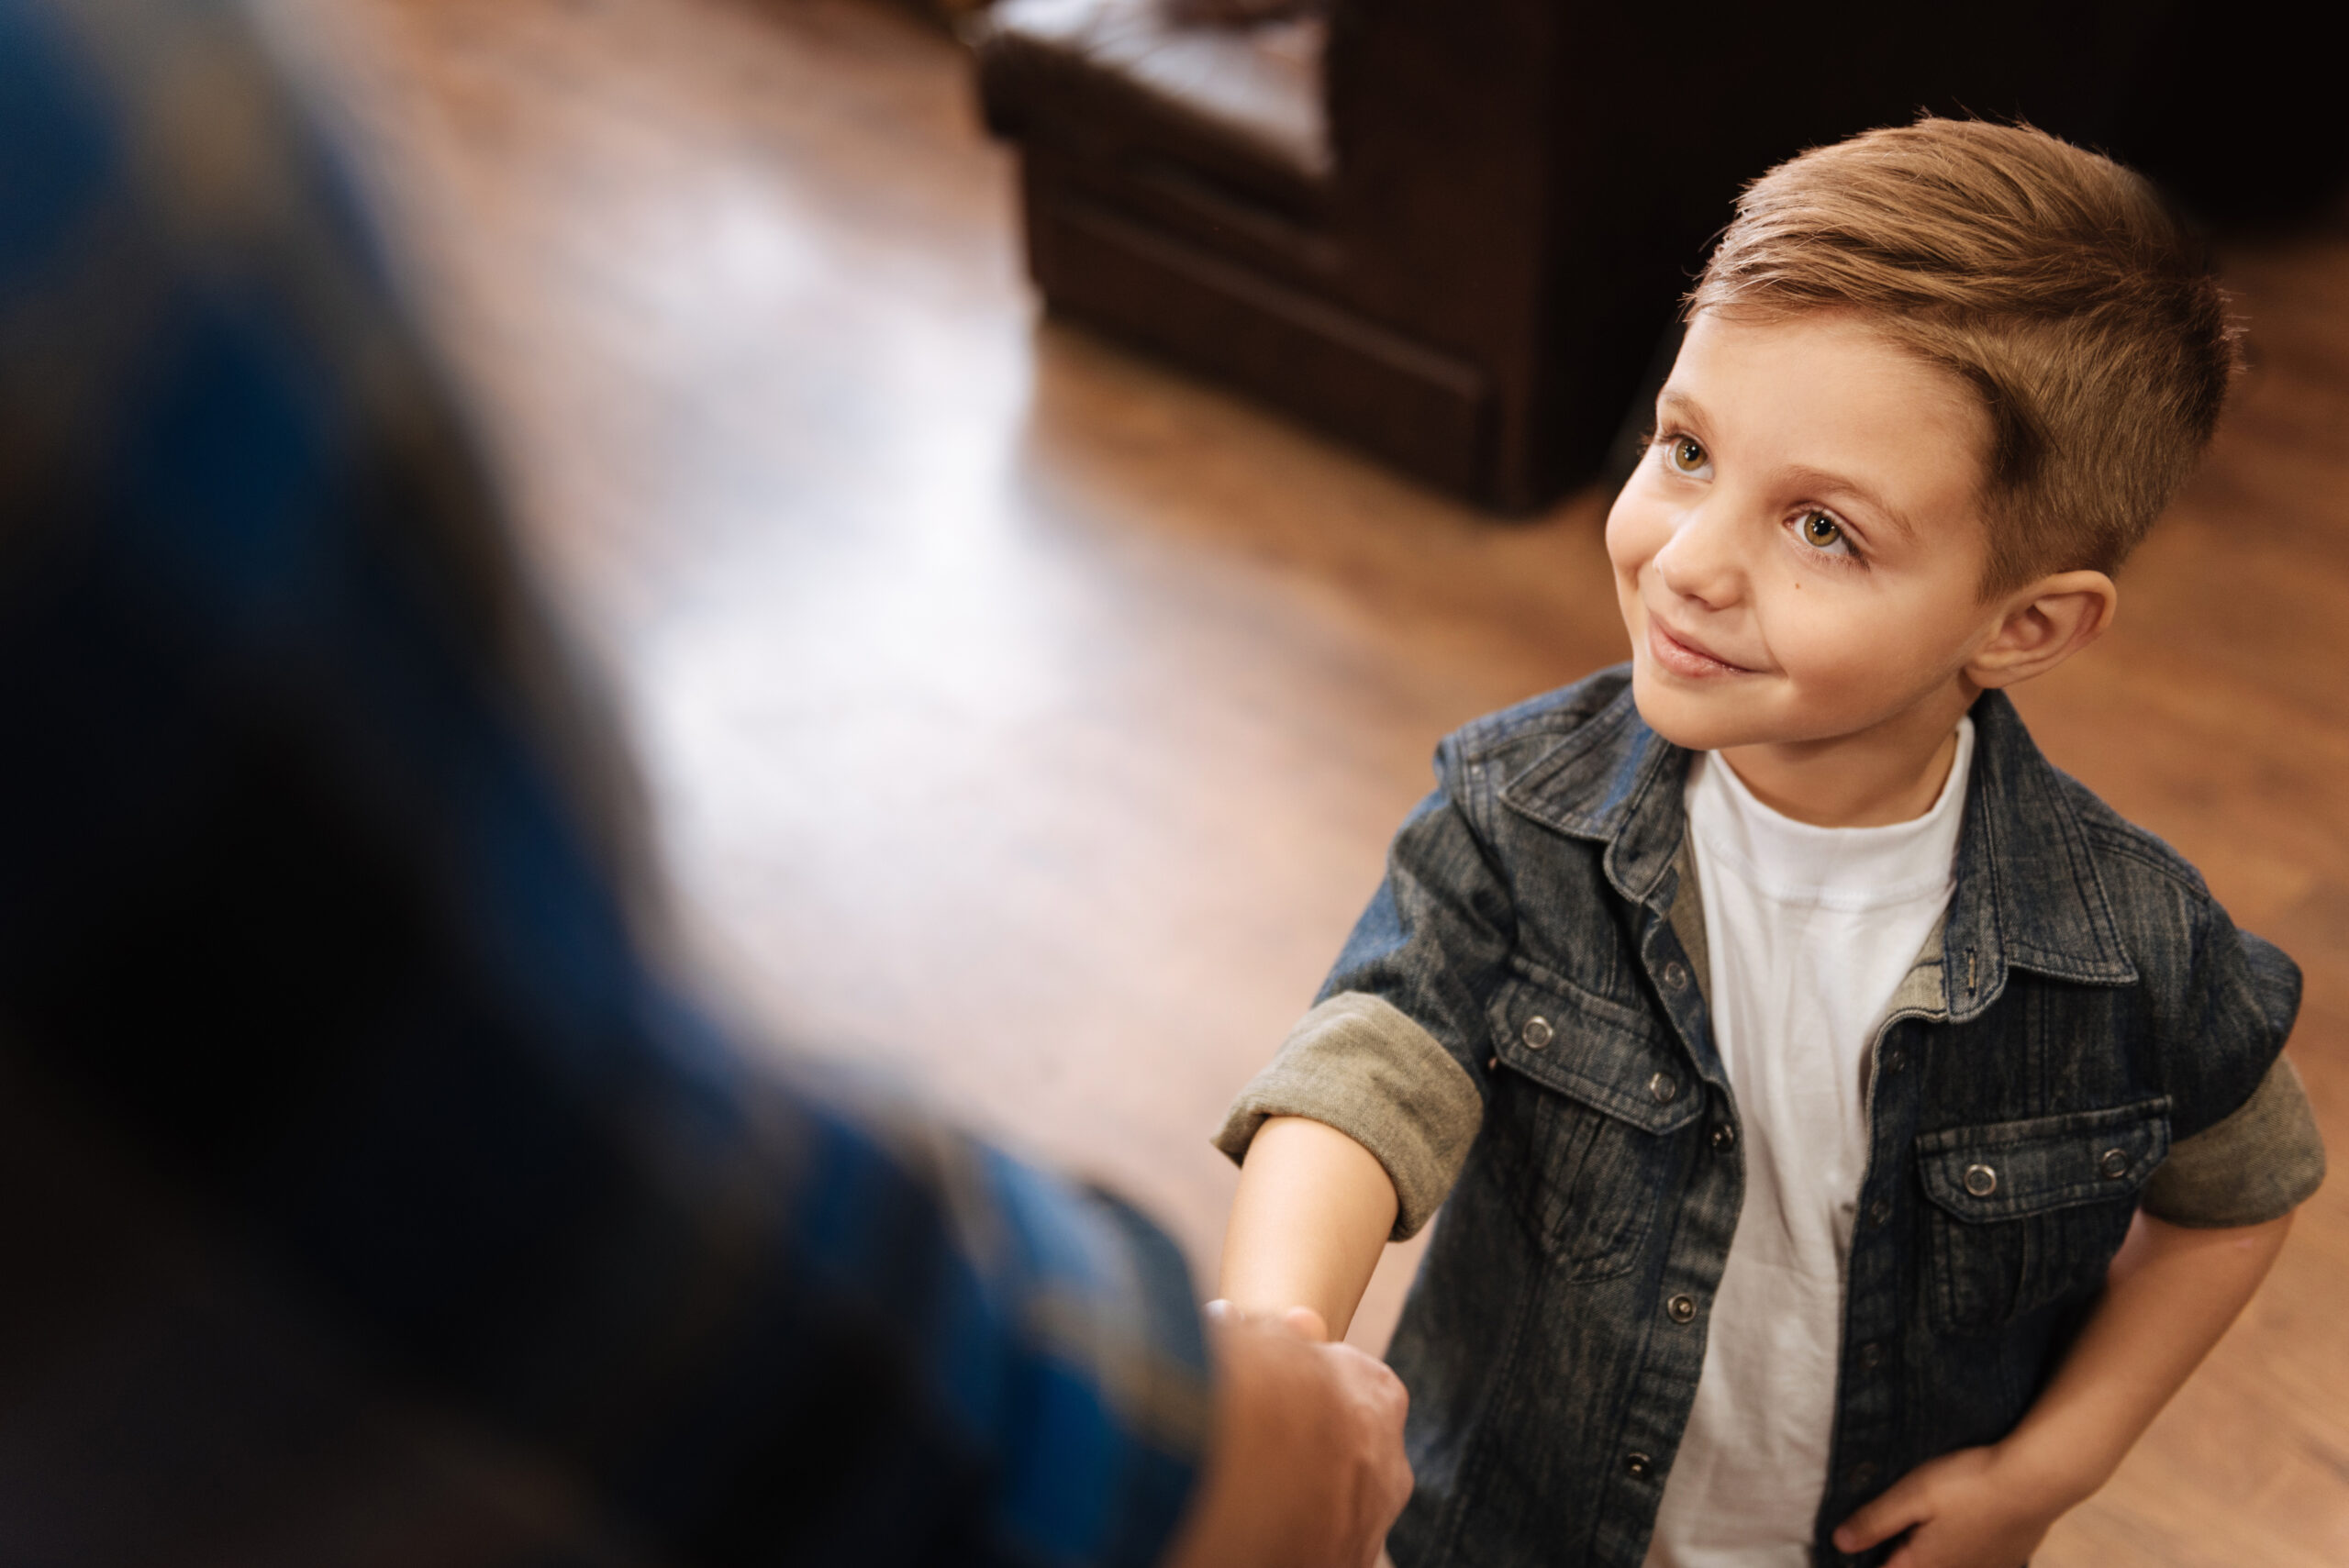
{"x": 2260, "y": 1163}
{"x": 1358, "y": 1063}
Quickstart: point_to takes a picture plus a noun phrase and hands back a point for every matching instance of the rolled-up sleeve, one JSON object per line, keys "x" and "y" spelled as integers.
{"x": 1357, "y": 1063}
{"x": 2247, "y": 1149}
{"x": 1391, "y": 1053}
{"x": 2259, "y": 1163}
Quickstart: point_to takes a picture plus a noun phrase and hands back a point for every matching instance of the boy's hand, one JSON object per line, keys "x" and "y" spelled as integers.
{"x": 1968, "y": 1509}
{"x": 2169, "y": 1294}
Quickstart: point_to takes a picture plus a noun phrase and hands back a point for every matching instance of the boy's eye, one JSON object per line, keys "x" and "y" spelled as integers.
{"x": 1822, "y": 532}
{"x": 1684, "y": 454}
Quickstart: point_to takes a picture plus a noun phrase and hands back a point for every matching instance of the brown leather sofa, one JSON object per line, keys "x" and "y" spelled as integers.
{"x": 1314, "y": 210}
{"x": 1452, "y": 231}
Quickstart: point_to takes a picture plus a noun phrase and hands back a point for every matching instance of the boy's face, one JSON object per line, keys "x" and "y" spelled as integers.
{"x": 1799, "y": 554}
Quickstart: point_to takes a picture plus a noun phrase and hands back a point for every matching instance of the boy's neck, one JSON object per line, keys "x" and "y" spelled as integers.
{"x": 1890, "y": 773}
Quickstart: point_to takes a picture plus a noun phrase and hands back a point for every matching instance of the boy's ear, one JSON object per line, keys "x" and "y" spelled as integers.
{"x": 2043, "y": 625}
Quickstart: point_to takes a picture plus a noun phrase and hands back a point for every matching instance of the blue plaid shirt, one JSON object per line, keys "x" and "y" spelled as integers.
{"x": 364, "y": 1194}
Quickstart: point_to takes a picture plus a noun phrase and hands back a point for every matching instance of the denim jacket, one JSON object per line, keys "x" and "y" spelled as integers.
{"x": 1518, "y": 1028}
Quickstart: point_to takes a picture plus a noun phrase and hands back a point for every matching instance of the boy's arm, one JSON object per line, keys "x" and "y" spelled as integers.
{"x": 1356, "y": 1130}
{"x": 2171, "y": 1293}
{"x": 1313, "y": 1212}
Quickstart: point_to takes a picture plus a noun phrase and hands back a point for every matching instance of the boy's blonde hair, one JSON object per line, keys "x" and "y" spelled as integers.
{"x": 2056, "y": 283}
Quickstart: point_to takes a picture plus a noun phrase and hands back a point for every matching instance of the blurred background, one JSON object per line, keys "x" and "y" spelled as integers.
{"x": 1041, "y": 478}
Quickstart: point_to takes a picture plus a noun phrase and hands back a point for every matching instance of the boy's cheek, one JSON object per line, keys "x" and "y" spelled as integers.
{"x": 1629, "y": 547}
{"x": 1627, "y": 523}
{"x": 1635, "y": 613}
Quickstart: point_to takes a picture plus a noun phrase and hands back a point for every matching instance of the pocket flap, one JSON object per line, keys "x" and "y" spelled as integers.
{"x": 1595, "y": 1052}
{"x": 2006, "y": 1169}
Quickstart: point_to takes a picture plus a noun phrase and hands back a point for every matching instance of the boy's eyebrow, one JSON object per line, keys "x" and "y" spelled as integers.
{"x": 1825, "y": 483}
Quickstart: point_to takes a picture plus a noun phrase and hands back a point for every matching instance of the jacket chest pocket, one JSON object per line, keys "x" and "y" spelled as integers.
{"x": 1580, "y": 1127}
{"x": 2023, "y": 1215}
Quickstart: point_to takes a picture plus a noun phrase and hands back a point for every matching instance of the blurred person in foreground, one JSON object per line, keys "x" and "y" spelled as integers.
{"x": 364, "y": 1193}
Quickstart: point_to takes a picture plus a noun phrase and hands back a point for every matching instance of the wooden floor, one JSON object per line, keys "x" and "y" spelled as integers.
{"x": 1031, "y": 721}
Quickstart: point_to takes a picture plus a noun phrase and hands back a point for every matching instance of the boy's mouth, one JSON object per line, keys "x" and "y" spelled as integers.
{"x": 1684, "y": 656}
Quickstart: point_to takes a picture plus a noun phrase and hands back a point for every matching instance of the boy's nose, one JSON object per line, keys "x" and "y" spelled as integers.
{"x": 1699, "y": 561}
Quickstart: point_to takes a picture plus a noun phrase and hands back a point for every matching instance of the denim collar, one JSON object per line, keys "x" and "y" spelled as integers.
{"x": 2028, "y": 895}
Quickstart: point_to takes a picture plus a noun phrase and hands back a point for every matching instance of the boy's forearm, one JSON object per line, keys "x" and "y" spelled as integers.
{"x": 2172, "y": 1292}
{"x": 1312, "y": 1213}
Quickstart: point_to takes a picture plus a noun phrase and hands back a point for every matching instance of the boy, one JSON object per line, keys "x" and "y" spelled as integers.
{"x": 1853, "y": 1132}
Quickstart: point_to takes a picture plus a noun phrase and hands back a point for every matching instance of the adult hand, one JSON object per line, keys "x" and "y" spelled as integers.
{"x": 1972, "y": 1508}
{"x": 1308, "y": 1468}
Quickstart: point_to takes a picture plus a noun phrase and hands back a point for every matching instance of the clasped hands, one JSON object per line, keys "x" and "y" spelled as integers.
{"x": 1307, "y": 1468}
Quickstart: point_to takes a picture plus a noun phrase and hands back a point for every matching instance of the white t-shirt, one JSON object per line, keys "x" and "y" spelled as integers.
{"x": 1810, "y": 932}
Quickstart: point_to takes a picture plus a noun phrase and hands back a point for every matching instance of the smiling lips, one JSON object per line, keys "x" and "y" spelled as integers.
{"x": 1684, "y": 658}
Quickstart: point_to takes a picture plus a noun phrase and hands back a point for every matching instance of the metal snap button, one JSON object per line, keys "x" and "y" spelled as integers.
{"x": 1637, "y": 1463}
{"x": 2112, "y": 1164}
{"x": 1895, "y": 1060}
{"x": 1676, "y": 975}
{"x": 1872, "y": 1355}
{"x": 1664, "y": 1087}
{"x": 1724, "y": 1137}
{"x": 1537, "y": 1032}
{"x": 1880, "y": 1212}
{"x": 1682, "y": 1309}
{"x": 1981, "y": 1181}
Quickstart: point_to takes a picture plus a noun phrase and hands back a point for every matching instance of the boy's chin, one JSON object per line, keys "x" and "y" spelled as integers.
{"x": 1693, "y": 721}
